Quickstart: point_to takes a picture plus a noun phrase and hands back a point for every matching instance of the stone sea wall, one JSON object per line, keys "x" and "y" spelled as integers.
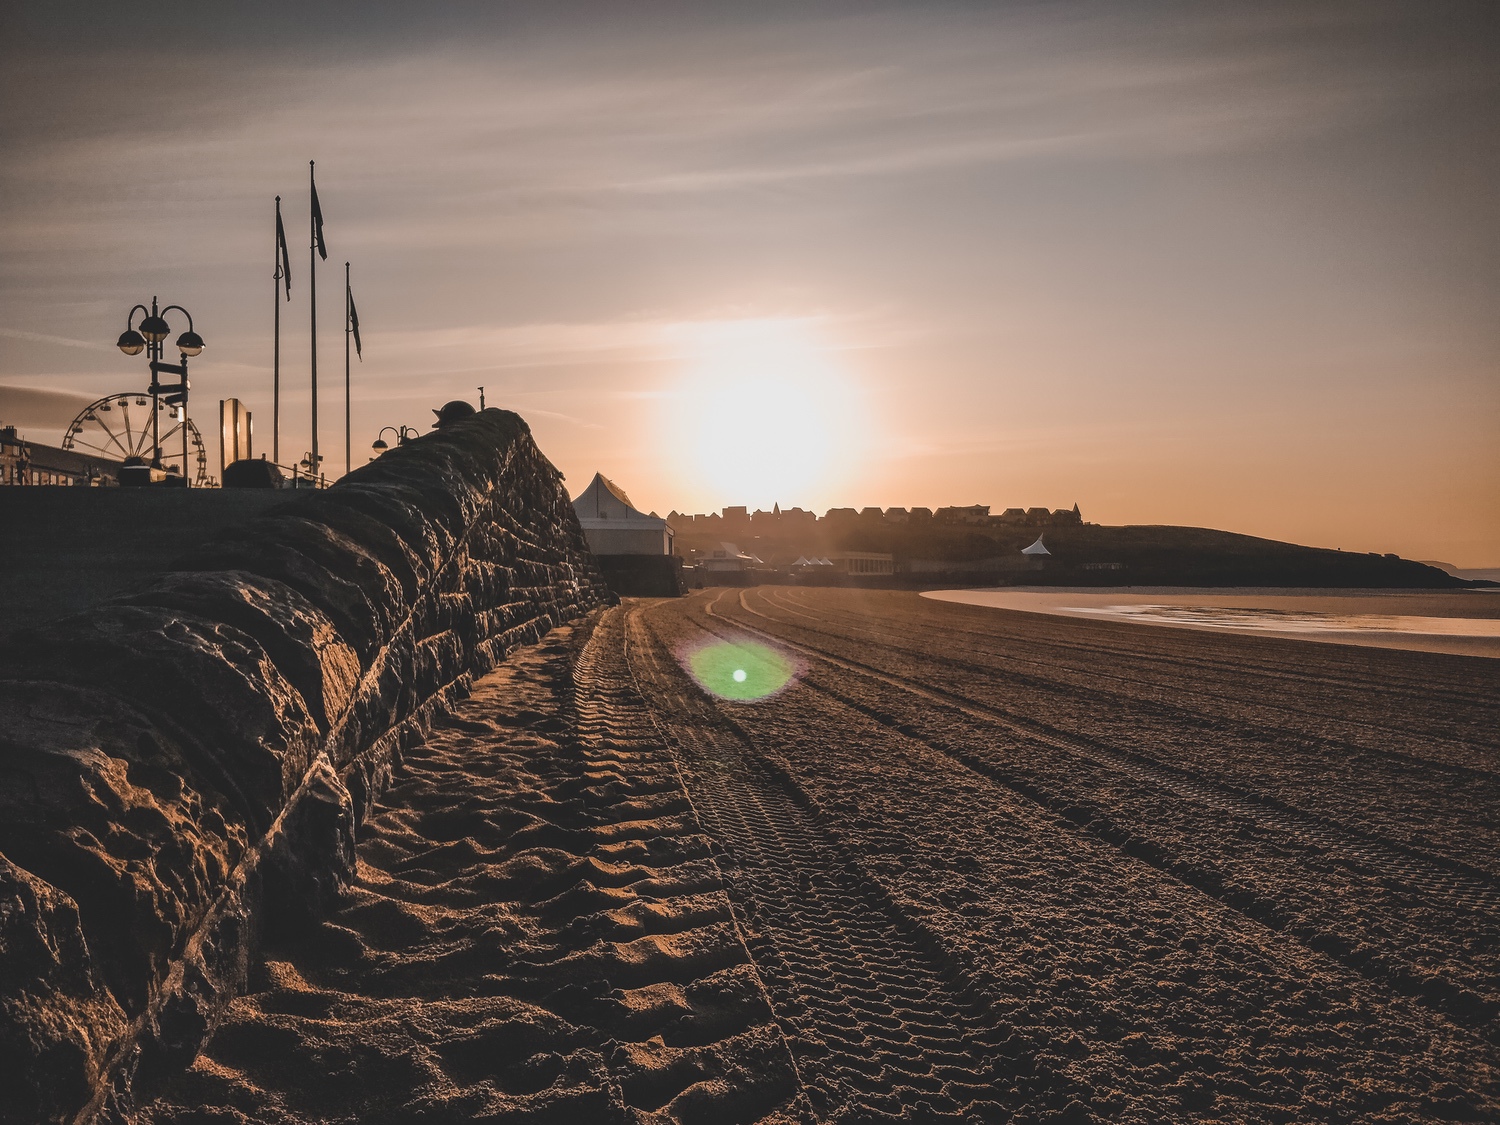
{"x": 185, "y": 767}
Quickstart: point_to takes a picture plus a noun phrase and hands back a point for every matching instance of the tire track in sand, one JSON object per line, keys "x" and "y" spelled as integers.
{"x": 1424, "y": 934}
{"x": 1461, "y": 886}
{"x": 539, "y": 933}
{"x": 881, "y": 1029}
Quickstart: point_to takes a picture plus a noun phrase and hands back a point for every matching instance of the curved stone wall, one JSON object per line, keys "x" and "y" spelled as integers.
{"x": 186, "y": 766}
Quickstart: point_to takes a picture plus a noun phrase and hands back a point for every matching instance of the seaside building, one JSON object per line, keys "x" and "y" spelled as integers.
{"x": 613, "y": 525}
{"x": 862, "y": 563}
{"x": 726, "y": 558}
{"x": 635, "y": 550}
{"x": 25, "y": 462}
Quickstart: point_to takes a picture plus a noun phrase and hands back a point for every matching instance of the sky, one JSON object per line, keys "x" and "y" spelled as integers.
{"x": 1227, "y": 265}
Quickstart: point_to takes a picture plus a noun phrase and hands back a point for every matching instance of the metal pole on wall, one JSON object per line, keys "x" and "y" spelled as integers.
{"x": 312, "y": 288}
{"x": 348, "y": 448}
{"x": 276, "y": 346}
{"x": 187, "y": 480}
{"x": 153, "y": 355}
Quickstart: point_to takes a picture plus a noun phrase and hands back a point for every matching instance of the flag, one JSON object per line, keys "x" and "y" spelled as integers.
{"x": 285, "y": 270}
{"x": 354, "y": 321}
{"x": 317, "y": 222}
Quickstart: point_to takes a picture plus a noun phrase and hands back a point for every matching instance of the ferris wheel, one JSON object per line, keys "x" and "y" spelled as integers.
{"x": 120, "y": 426}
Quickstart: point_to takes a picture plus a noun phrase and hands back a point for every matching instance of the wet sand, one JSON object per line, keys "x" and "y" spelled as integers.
{"x": 1463, "y": 623}
{"x": 967, "y": 866}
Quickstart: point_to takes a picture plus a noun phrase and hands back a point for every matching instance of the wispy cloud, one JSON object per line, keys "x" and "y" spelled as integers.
{"x": 61, "y": 341}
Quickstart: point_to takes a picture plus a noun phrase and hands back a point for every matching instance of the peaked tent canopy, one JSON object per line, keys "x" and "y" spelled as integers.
{"x": 614, "y": 526}
{"x": 1037, "y": 548}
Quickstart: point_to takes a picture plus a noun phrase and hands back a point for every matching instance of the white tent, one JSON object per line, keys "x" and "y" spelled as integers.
{"x": 1036, "y": 548}
{"x": 613, "y": 525}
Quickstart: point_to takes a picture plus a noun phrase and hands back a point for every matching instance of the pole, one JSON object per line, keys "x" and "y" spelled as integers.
{"x": 348, "y": 447}
{"x": 185, "y": 479}
{"x": 276, "y": 346}
{"x": 312, "y": 288}
{"x": 153, "y": 354}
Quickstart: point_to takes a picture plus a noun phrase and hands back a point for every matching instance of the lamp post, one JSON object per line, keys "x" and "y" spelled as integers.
{"x": 313, "y": 463}
{"x": 403, "y": 434}
{"x": 149, "y": 336}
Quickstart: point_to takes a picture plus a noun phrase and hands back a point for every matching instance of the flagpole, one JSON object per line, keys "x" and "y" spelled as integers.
{"x": 348, "y": 447}
{"x": 276, "y": 347}
{"x": 312, "y": 288}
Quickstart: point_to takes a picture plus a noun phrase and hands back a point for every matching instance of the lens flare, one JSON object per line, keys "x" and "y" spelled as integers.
{"x": 741, "y": 670}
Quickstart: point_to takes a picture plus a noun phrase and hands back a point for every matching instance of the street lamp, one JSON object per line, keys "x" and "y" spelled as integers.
{"x": 403, "y": 434}
{"x": 313, "y": 465}
{"x": 149, "y": 336}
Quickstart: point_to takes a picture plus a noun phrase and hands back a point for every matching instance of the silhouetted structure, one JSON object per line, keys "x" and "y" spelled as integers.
{"x": 25, "y": 462}
{"x": 634, "y": 549}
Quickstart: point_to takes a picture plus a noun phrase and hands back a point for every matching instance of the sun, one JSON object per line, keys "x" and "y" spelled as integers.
{"x": 763, "y": 412}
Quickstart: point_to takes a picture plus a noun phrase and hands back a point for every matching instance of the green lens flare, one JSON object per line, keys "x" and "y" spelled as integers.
{"x": 740, "y": 670}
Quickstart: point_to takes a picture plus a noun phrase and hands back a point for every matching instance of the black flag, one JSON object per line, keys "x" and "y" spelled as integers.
{"x": 317, "y": 220}
{"x": 354, "y": 322}
{"x": 286, "y": 262}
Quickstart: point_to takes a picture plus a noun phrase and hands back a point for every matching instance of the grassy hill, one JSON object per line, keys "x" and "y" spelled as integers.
{"x": 1090, "y": 554}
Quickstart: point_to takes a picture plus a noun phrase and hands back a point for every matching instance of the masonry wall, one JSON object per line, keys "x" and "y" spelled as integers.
{"x": 183, "y": 767}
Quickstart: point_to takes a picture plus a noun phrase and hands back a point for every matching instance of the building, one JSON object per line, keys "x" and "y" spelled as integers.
{"x": 897, "y": 515}
{"x": 797, "y": 519}
{"x": 969, "y": 513}
{"x": 27, "y": 463}
{"x": 862, "y": 563}
{"x": 726, "y": 558}
{"x": 613, "y": 526}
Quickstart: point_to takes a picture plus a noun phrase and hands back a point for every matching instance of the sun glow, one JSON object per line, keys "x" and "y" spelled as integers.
{"x": 763, "y": 413}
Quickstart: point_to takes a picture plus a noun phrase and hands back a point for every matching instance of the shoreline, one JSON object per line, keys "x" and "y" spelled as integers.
{"x": 1410, "y": 620}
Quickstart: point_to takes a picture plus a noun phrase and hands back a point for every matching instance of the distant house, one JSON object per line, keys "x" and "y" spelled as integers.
{"x": 613, "y": 525}
{"x": 897, "y": 515}
{"x": 725, "y": 558}
{"x": 969, "y": 513}
{"x": 1012, "y": 515}
{"x": 921, "y": 515}
{"x": 834, "y": 515}
{"x": 1064, "y": 517}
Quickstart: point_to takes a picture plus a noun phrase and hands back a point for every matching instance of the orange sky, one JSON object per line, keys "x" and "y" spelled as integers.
{"x": 1227, "y": 266}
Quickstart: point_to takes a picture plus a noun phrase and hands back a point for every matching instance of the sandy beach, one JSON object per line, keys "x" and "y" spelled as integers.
{"x": 896, "y": 859}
